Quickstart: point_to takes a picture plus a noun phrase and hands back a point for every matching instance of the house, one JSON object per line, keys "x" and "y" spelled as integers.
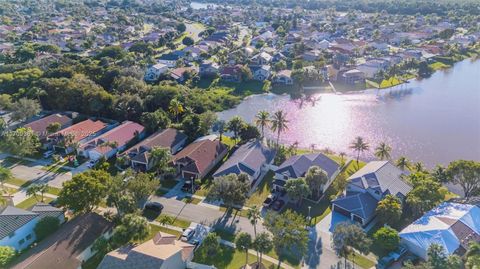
{"x": 231, "y": 73}
{"x": 298, "y": 165}
{"x": 111, "y": 142}
{"x": 450, "y": 225}
{"x": 76, "y": 134}
{"x": 208, "y": 68}
{"x": 155, "y": 71}
{"x": 367, "y": 187}
{"x": 252, "y": 158}
{"x": 261, "y": 73}
{"x": 163, "y": 251}
{"x": 198, "y": 158}
{"x": 283, "y": 77}
{"x": 69, "y": 246}
{"x": 262, "y": 58}
{"x": 40, "y": 126}
{"x": 182, "y": 73}
{"x": 18, "y": 224}
{"x": 139, "y": 155}
{"x": 353, "y": 76}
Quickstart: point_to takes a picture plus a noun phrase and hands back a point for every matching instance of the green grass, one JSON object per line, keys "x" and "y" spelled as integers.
{"x": 226, "y": 234}
{"x": 234, "y": 211}
{"x": 288, "y": 258}
{"x": 361, "y": 261}
{"x": 181, "y": 223}
{"x": 262, "y": 191}
{"x": 154, "y": 229}
{"x": 56, "y": 168}
{"x": 31, "y": 201}
{"x": 18, "y": 182}
{"x": 160, "y": 192}
{"x": 244, "y": 88}
{"x": 168, "y": 183}
{"x": 227, "y": 258}
{"x": 191, "y": 200}
{"x": 438, "y": 66}
{"x": 53, "y": 190}
{"x": 12, "y": 161}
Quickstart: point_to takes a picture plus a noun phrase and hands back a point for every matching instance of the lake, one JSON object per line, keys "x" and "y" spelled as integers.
{"x": 434, "y": 120}
{"x": 199, "y": 5}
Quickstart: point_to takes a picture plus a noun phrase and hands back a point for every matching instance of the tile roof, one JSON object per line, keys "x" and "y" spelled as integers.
{"x": 248, "y": 158}
{"x": 13, "y": 218}
{"x": 298, "y": 165}
{"x": 200, "y": 155}
{"x": 40, "y": 126}
{"x": 82, "y": 129}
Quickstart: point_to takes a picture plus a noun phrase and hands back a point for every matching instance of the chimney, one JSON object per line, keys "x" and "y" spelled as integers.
{"x": 163, "y": 239}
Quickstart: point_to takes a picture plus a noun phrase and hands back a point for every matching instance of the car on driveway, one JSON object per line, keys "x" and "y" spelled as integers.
{"x": 92, "y": 163}
{"x": 187, "y": 187}
{"x": 278, "y": 204}
{"x": 48, "y": 154}
{"x": 188, "y": 233}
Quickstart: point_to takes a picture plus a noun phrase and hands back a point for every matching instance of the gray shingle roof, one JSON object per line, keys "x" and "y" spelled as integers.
{"x": 45, "y": 210}
{"x": 12, "y": 218}
{"x": 360, "y": 204}
{"x": 298, "y": 165}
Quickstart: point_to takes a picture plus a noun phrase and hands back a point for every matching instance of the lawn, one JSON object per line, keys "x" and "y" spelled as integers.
{"x": 53, "y": 190}
{"x": 181, "y": 223}
{"x": 227, "y": 258}
{"x": 262, "y": 191}
{"x": 289, "y": 259}
{"x": 11, "y": 161}
{"x": 438, "y": 66}
{"x": 361, "y": 261}
{"x": 168, "y": 183}
{"x": 18, "y": 182}
{"x": 191, "y": 200}
{"x": 31, "y": 201}
{"x": 154, "y": 229}
{"x": 57, "y": 168}
{"x": 225, "y": 234}
{"x": 245, "y": 88}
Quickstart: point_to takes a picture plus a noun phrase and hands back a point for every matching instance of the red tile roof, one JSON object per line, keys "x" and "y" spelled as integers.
{"x": 82, "y": 129}
{"x": 40, "y": 126}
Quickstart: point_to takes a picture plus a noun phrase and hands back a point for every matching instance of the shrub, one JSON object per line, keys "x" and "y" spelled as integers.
{"x": 6, "y": 255}
{"x": 387, "y": 237}
{"x": 45, "y": 227}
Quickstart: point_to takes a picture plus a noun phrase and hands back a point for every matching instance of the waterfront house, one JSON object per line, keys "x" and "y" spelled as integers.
{"x": 231, "y": 73}
{"x": 198, "y": 159}
{"x": 155, "y": 71}
{"x": 353, "y": 76}
{"x": 367, "y": 187}
{"x": 163, "y": 251}
{"x": 283, "y": 77}
{"x": 139, "y": 155}
{"x": 261, "y": 73}
{"x": 111, "y": 142}
{"x": 298, "y": 165}
{"x": 252, "y": 158}
{"x": 209, "y": 68}
{"x": 18, "y": 224}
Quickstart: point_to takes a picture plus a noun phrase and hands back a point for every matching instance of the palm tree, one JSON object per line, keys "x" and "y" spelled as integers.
{"x": 176, "y": 108}
{"x": 418, "y": 167}
{"x": 359, "y": 145}
{"x": 262, "y": 120}
{"x": 312, "y": 147}
{"x": 253, "y": 214}
{"x": 5, "y": 174}
{"x": 279, "y": 123}
{"x": 383, "y": 151}
{"x": 343, "y": 155}
{"x": 402, "y": 163}
{"x": 33, "y": 190}
{"x": 243, "y": 242}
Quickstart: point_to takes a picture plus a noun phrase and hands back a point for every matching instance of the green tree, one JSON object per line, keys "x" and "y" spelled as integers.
{"x": 132, "y": 228}
{"x": 46, "y": 226}
{"x": 85, "y": 191}
{"x": 425, "y": 195}
{"x": 155, "y": 120}
{"x": 35, "y": 189}
{"x": 24, "y": 109}
{"x": 6, "y": 255}
{"x": 262, "y": 120}
{"x": 262, "y": 244}
{"x": 211, "y": 244}
{"x": 176, "y": 108}
{"x": 141, "y": 186}
{"x": 5, "y": 174}
{"x": 383, "y": 151}
{"x": 279, "y": 123}
{"x": 359, "y": 146}
{"x": 473, "y": 256}
{"x": 234, "y": 125}
{"x": 316, "y": 178}
{"x": 387, "y": 237}
{"x": 389, "y": 209}
{"x": 5, "y": 101}
{"x": 348, "y": 236}
{"x": 181, "y": 27}
{"x": 466, "y": 174}
{"x": 248, "y": 132}
{"x": 229, "y": 189}
{"x": 160, "y": 159}
{"x": 54, "y": 127}
{"x": 243, "y": 241}
{"x": 403, "y": 163}
{"x": 188, "y": 41}
{"x": 219, "y": 126}
{"x": 297, "y": 189}
{"x": 21, "y": 142}
{"x": 192, "y": 127}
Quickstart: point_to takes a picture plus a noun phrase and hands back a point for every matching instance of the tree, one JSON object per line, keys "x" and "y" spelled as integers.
{"x": 439, "y": 173}
{"x": 262, "y": 120}
{"x": 402, "y": 163}
{"x": 425, "y": 195}
{"x": 297, "y": 189}
{"x": 46, "y": 226}
{"x": 383, "y": 151}
{"x": 387, "y": 237}
{"x": 466, "y": 174}
{"x": 288, "y": 231}
{"x": 175, "y": 108}
{"x": 5, "y": 101}
{"x": 234, "y": 125}
{"x": 53, "y": 127}
{"x": 316, "y": 178}
{"x": 181, "y": 27}
{"x": 132, "y": 228}
{"x": 348, "y": 236}
{"x": 191, "y": 126}
{"x": 160, "y": 159}
{"x": 389, "y": 209}
{"x": 155, "y": 120}
{"x": 141, "y": 186}
{"x": 5, "y": 174}
{"x": 262, "y": 244}
{"x": 473, "y": 256}
{"x": 207, "y": 120}
{"x": 35, "y": 189}
{"x": 248, "y": 132}
{"x": 360, "y": 146}
{"x": 24, "y": 109}
{"x": 21, "y": 142}
{"x": 229, "y": 189}
{"x": 243, "y": 242}
{"x": 85, "y": 191}
{"x": 219, "y": 126}
{"x": 437, "y": 257}
{"x": 211, "y": 244}
{"x": 279, "y": 123}
{"x": 6, "y": 255}
{"x": 188, "y": 41}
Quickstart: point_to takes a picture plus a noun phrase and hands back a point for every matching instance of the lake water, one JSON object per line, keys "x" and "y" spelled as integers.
{"x": 435, "y": 120}
{"x": 198, "y": 5}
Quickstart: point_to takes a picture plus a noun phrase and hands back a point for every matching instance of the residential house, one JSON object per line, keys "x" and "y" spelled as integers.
{"x": 198, "y": 159}
{"x": 139, "y": 155}
{"x": 40, "y": 126}
{"x": 261, "y": 73}
{"x": 77, "y": 134}
{"x": 209, "y": 68}
{"x": 262, "y": 58}
{"x": 170, "y": 59}
{"x": 371, "y": 67}
{"x": 111, "y": 142}
{"x": 298, "y": 165}
{"x": 69, "y": 246}
{"x": 18, "y": 224}
{"x": 163, "y": 251}
{"x": 353, "y": 76}
{"x": 367, "y": 187}
{"x": 181, "y": 74}
{"x": 283, "y": 77}
{"x": 450, "y": 225}
{"x": 252, "y": 158}
{"x": 155, "y": 71}
{"x": 231, "y": 73}
{"x": 311, "y": 56}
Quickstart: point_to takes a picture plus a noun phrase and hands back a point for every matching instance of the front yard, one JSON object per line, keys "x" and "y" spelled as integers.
{"x": 227, "y": 258}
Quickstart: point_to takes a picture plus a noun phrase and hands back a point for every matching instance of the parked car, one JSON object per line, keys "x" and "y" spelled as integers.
{"x": 92, "y": 163}
{"x": 187, "y": 187}
{"x": 270, "y": 199}
{"x": 385, "y": 262}
{"x": 48, "y": 154}
{"x": 188, "y": 234}
{"x": 154, "y": 206}
{"x": 278, "y": 204}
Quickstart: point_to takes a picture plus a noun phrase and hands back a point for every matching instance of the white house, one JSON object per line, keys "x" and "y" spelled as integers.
{"x": 283, "y": 77}
{"x": 155, "y": 71}
{"x": 261, "y": 73}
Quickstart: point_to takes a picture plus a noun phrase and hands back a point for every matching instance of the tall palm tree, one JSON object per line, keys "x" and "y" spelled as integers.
{"x": 5, "y": 174}
{"x": 176, "y": 108}
{"x": 402, "y": 163}
{"x": 359, "y": 145}
{"x": 262, "y": 120}
{"x": 253, "y": 214}
{"x": 383, "y": 151}
{"x": 279, "y": 123}
{"x": 418, "y": 167}
{"x": 343, "y": 155}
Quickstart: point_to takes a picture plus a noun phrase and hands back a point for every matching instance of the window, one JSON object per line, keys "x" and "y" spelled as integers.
{"x": 28, "y": 237}
{"x": 21, "y": 241}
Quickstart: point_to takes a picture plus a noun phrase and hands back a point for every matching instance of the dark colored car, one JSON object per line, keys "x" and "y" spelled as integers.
{"x": 154, "y": 206}
{"x": 278, "y": 204}
{"x": 268, "y": 202}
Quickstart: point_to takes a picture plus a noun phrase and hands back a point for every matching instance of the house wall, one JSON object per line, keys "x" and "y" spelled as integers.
{"x": 21, "y": 234}
{"x": 174, "y": 261}
{"x": 420, "y": 252}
